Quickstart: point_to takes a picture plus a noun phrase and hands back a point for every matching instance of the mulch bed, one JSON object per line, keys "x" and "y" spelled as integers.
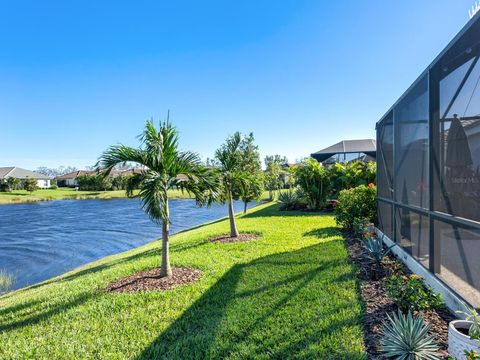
{"x": 150, "y": 280}
{"x": 378, "y": 304}
{"x": 226, "y": 238}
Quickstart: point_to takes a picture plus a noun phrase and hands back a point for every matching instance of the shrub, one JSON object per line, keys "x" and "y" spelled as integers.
{"x": 312, "y": 179}
{"x": 30, "y": 184}
{"x": 410, "y": 293}
{"x": 406, "y": 337}
{"x": 356, "y": 204}
{"x": 349, "y": 175}
{"x": 291, "y": 200}
{"x": 53, "y": 187}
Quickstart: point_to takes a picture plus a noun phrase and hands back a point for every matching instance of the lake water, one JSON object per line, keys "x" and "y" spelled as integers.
{"x": 45, "y": 239}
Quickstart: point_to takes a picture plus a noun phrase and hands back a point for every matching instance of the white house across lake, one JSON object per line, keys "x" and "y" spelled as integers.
{"x": 43, "y": 181}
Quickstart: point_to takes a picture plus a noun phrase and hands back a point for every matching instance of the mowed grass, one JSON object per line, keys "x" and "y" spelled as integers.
{"x": 22, "y": 196}
{"x": 290, "y": 294}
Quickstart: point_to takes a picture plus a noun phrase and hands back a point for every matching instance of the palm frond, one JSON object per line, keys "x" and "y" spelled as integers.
{"x": 120, "y": 154}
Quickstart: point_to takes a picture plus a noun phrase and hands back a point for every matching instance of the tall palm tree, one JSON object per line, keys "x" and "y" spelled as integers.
{"x": 229, "y": 161}
{"x": 164, "y": 167}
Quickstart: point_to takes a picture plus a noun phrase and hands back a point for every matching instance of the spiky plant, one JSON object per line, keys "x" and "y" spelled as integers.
{"x": 406, "y": 338}
{"x": 290, "y": 200}
{"x": 375, "y": 249}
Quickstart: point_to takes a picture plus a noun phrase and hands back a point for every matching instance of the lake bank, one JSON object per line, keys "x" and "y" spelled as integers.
{"x": 22, "y": 196}
{"x": 45, "y": 239}
{"x": 298, "y": 273}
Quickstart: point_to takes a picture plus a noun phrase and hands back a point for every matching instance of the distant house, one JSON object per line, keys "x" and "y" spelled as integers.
{"x": 348, "y": 150}
{"x": 43, "y": 181}
{"x": 70, "y": 179}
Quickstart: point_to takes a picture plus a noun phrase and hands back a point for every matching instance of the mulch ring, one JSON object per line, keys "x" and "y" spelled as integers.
{"x": 150, "y": 280}
{"x": 378, "y": 304}
{"x": 226, "y": 238}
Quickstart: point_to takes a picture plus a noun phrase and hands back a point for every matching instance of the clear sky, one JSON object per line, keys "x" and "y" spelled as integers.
{"x": 78, "y": 76}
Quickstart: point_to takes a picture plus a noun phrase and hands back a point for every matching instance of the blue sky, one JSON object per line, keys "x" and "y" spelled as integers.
{"x": 78, "y": 76}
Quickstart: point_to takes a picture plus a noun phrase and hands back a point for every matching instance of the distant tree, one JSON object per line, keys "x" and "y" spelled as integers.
{"x": 30, "y": 184}
{"x": 250, "y": 189}
{"x": 9, "y": 184}
{"x": 166, "y": 167}
{"x": 272, "y": 178}
{"x": 105, "y": 183}
{"x": 251, "y": 186}
{"x": 12, "y": 183}
{"x": 229, "y": 164}
{"x": 53, "y": 172}
{"x": 277, "y": 160}
{"x": 120, "y": 182}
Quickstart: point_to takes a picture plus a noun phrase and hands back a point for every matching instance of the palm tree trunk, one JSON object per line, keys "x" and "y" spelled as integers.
{"x": 231, "y": 215}
{"x": 245, "y": 207}
{"x": 165, "y": 269}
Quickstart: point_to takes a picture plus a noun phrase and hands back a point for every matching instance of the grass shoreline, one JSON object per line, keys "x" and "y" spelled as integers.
{"x": 290, "y": 294}
{"x": 22, "y": 196}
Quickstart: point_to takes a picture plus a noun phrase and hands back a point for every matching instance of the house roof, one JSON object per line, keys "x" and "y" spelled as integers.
{"x": 19, "y": 173}
{"x": 113, "y": 173}
{"x": 367, "y": 146}
{"x": 74, "y": 174}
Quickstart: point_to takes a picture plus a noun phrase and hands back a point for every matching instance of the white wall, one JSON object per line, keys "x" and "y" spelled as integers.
{"x": 44, "y": 184}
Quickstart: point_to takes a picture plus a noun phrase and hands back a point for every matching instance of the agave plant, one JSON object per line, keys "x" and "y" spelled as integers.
{"x": 375, "y": 249}
{"x": 406, "y": 338}
{"x": 290, "y": 200}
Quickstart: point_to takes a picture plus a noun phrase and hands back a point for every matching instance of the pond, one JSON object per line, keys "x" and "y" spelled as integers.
{"x": 45, "y": 239}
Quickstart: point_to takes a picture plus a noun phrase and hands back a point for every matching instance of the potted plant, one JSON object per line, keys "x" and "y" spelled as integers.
{"x": 464, "y": 335}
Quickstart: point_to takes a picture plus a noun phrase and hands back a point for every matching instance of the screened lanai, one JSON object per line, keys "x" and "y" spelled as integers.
{"x": 348, "y": 150}
{"x": 428, "y": 163}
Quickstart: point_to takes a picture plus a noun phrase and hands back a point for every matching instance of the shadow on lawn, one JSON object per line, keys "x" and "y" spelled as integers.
{"x": 174, "y": 247}
{"x": 278, "y": 306}
{"x": 325, "y": 232}
{"x": 272, "y": 210}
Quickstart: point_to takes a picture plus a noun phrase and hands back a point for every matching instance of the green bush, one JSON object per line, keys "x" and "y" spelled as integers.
{"x": 53, "y": 187}
{"x": 410, "y": 293}
{"x": 30, "y": 185}
{"x": 313, "y": 180}
{"x": 352, "y": 174}
{"x": 356, "y": 206}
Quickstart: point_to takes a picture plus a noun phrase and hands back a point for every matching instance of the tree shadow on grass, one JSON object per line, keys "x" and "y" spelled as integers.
{"x": 273, "y": 210}
{"x": 325, "y": 232}
{"x": 33, "y": 312}
{"x": 300, "y": 304}
{"x": 180, "y": 247}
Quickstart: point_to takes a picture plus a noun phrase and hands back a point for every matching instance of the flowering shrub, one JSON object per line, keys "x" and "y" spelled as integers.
{"x": 410, "y": 293}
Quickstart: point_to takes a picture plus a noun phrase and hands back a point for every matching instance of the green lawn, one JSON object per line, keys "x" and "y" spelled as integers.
{"x": 291, "y": 294}
{"x": 21, "y": 196}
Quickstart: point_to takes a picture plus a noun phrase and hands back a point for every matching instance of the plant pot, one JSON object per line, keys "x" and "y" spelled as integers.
{"x": 458, "y": 342}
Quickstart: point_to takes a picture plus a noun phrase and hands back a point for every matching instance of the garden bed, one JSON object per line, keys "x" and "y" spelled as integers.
{"x": 225, "y": 238}
{"x": 378, "y": 303}
{"x": 150, "y": 280}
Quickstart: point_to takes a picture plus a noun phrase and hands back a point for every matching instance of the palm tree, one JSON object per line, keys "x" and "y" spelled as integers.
{"x": 229, "y": 165}
{"x": 164, "y": 167}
